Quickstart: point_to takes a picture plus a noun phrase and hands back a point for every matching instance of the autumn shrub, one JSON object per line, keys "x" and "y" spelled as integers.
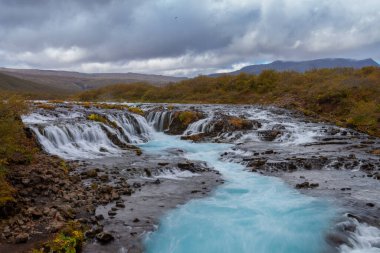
{"x": 69, "y": 240}
{"x": 346, "y": 96}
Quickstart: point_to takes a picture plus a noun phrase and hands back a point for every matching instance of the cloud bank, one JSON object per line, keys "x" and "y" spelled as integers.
{"x": 178, "y": 37}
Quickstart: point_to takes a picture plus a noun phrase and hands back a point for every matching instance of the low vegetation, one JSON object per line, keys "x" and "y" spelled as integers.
{"x": 15, "y": 147}
{"x": 69, "y": 240}
{"x": 187, "y": 117}
{"x": 344, "y": 96}
{"x": 102, "y": 119}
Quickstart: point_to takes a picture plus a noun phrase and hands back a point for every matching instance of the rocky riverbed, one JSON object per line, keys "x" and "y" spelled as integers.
{"x": 120, "y": 192}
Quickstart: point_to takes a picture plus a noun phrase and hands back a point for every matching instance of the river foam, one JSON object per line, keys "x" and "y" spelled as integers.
{"x": 249, "y": 213}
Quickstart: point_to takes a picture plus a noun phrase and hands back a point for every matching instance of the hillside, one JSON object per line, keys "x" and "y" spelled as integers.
{"x": 29, "y": 88}
{"x": 346, "y": 96}
{"x": 75, "y": 81}
{"x": 302, "y": 66}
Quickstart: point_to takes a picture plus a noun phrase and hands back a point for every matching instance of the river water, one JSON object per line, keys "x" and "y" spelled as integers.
{"x": 249, "y": 212}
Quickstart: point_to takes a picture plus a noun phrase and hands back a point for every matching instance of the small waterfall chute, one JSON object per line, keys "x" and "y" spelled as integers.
{"x": 159, "y": 120}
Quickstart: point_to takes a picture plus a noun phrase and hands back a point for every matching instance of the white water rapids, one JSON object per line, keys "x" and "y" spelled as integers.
{"x": 250, "y": 213}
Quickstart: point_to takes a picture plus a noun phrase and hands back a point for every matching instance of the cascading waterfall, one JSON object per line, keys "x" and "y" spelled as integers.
{"x": 159, "y": 120}
{"x": 72, "y": 136}
{"x": 134, "y": 127}
{"x": 264, "y": 214}
{"x": 72, "y": 141}
{"x": 200, "y": 126}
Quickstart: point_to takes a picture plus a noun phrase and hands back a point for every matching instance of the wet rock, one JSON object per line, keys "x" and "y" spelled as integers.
{"x": 104, "y": 237}
{"x": 269, "y": 135}
{"x": 370, "y": 204}
{"x": 112, "y": 213}
{"x": 120, "y": 205}
{"x": 336, "y": 239}
{"x": 257, "y": 163}
{"x": 94, "y": 231}
{"x": 136, "y": 220}
{"x": 22, "y": 238}
{"x": 195, "y": 137}
{"x": 99, "y": 217}
{"x": 136, "y": 185}
{"x": 103, "y": 149}
{"x": 148, "y": 172}
{"x": 306, "y": 185}
{"x": 186, "y": 166}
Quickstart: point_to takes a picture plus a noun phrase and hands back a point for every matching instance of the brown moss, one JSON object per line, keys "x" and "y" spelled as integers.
{"x": 136, "y": 110}
{"x": 238, "y": 123}
{"x": 46, "y": 106}
{"x": 187, "y": 117}
{"x": 112, "y": 106}
{"x": 102, "y": 119}
{"x": 195, "y": 137}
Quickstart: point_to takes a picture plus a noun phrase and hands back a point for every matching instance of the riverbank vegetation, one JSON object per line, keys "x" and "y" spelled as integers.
{"x": 15, "y": 147}
{"x": 25, "y": 171}
{"x": 344, "y": 96}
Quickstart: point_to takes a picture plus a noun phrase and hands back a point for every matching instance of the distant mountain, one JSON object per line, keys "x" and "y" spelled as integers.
{"x": 302, "y": 66}
{"x": 75, "y": 81}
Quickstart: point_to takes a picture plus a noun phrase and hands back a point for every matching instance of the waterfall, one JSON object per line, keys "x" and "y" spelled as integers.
{"x": 134, "y": 127}
{"x": 200, "y": 126}
{"x": 72, "y": 141}
{"x": 159, "y": 120}
{"x": 71, "y": 135}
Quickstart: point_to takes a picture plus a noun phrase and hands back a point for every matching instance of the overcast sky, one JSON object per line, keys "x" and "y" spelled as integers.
{"x": 183, "y": 37}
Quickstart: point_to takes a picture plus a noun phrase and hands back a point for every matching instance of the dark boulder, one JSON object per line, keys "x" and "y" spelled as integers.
{"x": 269, "y": 135}
{"x": 104, "y": 237}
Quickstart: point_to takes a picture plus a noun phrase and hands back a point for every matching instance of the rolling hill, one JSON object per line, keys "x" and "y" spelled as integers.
{"x": 26, "y": 87}
{"x": 302, "y": 66}
{"x": 74, "y": 81}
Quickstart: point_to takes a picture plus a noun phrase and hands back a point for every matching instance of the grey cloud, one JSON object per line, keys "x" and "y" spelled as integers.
{"x": 182, "y": 37}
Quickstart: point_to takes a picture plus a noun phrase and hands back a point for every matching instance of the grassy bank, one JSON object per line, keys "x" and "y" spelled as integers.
{"x": 15, "y": 147}
{"x": 347, "y": 97}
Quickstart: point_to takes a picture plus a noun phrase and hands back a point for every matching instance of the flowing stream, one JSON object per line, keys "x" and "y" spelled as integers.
{"x": 248, "y": 213}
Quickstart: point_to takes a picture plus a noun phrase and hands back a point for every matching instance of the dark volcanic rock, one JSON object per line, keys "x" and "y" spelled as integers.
{"x": 306, "y": 185}
{"x": 104, "y": 237}
{"x": 269, "y": 135}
